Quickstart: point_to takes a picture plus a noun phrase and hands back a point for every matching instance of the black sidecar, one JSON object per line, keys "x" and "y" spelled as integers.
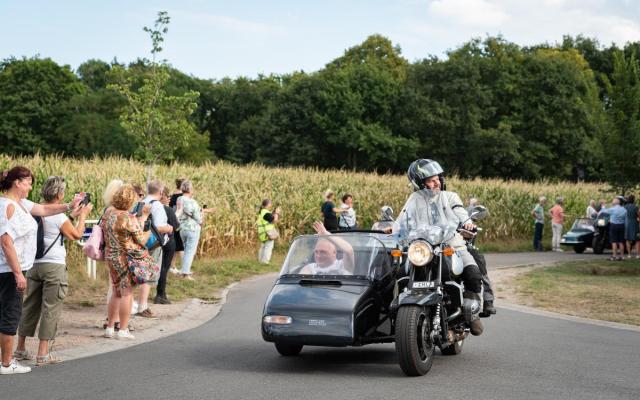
{"x": 348, "y": 307}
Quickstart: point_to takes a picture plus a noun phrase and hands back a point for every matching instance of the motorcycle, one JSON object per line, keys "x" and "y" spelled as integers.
{"x": 601, "y": 234}
{"x": 430, "y": 310}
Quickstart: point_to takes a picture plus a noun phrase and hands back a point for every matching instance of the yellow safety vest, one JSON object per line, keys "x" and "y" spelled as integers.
{"x": 264, "y": 226}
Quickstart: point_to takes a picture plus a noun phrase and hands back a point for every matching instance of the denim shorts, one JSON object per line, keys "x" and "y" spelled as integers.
{"x": 10, "y": 304}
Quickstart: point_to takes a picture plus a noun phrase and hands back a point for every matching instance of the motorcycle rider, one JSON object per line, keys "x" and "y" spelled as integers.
{"x": 431, "y": 204}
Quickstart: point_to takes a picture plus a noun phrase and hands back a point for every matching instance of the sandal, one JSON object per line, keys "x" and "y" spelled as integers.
{"x": 21, "y": 355}
{"x": 47, "y": 359}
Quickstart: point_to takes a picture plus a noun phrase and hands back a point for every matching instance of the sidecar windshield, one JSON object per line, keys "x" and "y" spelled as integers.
{"x": 355, "y": 255}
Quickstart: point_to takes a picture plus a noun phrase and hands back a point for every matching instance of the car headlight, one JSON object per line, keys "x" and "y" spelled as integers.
{"x": 601, "y": 222}
{"x": 420, "y": 253}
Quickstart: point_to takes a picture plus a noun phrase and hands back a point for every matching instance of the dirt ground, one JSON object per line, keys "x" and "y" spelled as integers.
{"x": 80, "y": 331}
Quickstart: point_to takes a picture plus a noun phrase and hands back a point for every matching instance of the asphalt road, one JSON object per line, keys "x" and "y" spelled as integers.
{"x": 520, "y": 356}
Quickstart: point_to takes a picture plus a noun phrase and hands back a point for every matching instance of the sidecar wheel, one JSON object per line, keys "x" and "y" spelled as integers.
{"x": 454, "y": 349}
{"x": 579, "y": 248}
{"x": 414, "y": 344}
{"x": 288, "y": 350}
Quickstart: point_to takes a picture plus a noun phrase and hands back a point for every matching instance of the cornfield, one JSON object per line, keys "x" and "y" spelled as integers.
{"x": 236, "y": 191}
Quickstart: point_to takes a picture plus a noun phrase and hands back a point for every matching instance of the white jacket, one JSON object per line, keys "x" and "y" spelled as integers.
{"x": 444, "y": 209}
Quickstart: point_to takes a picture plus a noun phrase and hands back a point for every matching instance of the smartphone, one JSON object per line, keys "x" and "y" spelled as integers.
{"x": 204, "y": 206}
{"x": 86, "y": 200}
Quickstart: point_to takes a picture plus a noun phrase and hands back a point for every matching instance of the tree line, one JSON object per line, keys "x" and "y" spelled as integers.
{"x": 491, "y": 108}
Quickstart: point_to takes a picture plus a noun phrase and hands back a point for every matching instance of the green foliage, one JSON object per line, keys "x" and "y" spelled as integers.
{"x": 490, "y": 109}
{"x": 622, "y": 142}
{"x": 34, "y": 100}
{"x": 156, "y": 121}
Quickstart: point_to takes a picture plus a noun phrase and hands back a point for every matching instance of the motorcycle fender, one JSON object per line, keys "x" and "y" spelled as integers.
{"x": 419, "y": 298}
{"x": 457, "y": 266}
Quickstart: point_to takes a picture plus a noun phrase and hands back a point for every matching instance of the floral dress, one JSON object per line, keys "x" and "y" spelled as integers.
{"x": 124, "y": 240}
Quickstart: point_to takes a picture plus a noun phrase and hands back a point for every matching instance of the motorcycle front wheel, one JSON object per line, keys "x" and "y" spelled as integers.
{"x": 414, "y": 344}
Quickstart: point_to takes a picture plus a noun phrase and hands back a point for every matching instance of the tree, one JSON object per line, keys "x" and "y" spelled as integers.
{"x": 34, "y": 102}
{"x": 156, "y": 121}
{"x": 622, "y": 141}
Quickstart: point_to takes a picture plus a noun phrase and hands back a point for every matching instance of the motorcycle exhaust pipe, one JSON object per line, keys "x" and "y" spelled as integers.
{"x": 454, "y": 315}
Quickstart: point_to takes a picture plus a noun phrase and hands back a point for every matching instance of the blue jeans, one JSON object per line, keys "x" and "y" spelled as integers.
{"x": 190, "y": 240}
{"x": 537, "y": 237}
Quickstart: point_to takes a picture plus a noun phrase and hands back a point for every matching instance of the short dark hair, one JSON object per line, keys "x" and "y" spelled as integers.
{"x": 179, "y": 182}
{"x": 266, "y": 202}
{"x": 346, "y": 196}
{"x": 14, "y": 174}
{"x": 631, "y": 199}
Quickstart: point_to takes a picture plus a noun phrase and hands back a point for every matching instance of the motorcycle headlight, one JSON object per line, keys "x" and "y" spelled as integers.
{"x": 601, "y": 222}
{"x": 420, "y": 253}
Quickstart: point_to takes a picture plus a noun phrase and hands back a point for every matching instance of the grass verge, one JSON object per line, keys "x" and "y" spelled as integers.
{"x": 211, "y": 274}
{"x": 604, "y": 290}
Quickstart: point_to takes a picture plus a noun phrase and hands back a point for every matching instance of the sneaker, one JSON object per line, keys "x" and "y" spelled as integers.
{"x": 174, "y": 271}
{"x": 47, "y": 359}
{"x": 147, "y": 314}
{"x": 161, "y": 300}
{"x": 21, "y": 355}
{"x": 108, "y": 332}
{"x": 14, "y": 368}
{"x": 124, "y": 334}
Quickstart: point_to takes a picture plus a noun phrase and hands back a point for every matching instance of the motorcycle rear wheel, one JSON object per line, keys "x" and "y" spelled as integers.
{"x": 414, "y": 344}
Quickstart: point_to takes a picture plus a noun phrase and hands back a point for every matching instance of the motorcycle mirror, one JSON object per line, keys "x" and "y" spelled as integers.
{"x": 478, "y": 213}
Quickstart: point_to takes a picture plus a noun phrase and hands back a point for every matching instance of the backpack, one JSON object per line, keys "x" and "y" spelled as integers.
{"x": 156, "y": 239}
{"x": 40, "y": 250}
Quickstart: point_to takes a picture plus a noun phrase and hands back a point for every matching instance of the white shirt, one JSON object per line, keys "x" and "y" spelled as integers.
{"x": 347, "y": 219}
{"x": 23, "y": 229}
{"x": 336, "y": 268}
{"x": 158, "y": 215}
{"x": 52, "y": 226}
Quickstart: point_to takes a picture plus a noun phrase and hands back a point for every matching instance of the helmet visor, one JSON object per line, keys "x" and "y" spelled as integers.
{"x": 430, "y": 169}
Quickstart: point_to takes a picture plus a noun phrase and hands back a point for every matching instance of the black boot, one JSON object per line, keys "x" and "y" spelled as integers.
{"x": 488, "y": 309}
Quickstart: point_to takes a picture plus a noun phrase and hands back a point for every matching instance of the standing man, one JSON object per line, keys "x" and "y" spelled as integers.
{"x": 266, "y": 225}
{"x": 557, "y": 220}
{"x": 347, "y": 219}
{"x": 472, "y": 203}
{"x": 538, "y": 217}
{"x": 591, "y": 210}
{"x": 617, "y": 219}
{"x": 160, "y": 220}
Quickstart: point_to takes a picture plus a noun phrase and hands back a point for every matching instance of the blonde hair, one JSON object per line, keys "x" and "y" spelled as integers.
{"x": 124, "y": 198}
{"x": 328, "y": 194}
{"x": 110, "y": 190}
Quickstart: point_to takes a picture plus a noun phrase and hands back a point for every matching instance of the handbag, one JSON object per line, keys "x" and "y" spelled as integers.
{"x": 94, "y": 246}
{"x": 143, "y": 269}
{"x": 273, "y": 234}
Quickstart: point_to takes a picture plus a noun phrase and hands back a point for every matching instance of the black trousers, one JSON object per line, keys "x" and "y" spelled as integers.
{"x": 537, "y": 237}
{"x": 167, "y": 255}
{"x": 487, "y": 295}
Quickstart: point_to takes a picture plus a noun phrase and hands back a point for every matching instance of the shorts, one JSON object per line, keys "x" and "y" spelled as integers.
{"x": 10, "y": 304}
{"x": 616, "y": 233}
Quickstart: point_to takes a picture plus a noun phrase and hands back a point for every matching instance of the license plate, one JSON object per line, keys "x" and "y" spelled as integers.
{"x": 423, "y": 284}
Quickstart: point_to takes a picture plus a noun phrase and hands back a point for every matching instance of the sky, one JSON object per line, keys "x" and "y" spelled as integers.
{"x": 212, "y": 39}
